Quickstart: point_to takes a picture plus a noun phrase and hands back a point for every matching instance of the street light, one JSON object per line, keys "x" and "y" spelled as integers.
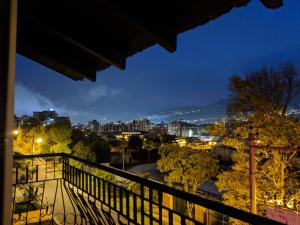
{"x": 123, "y": 158}
{"x": 38, "y": 140}
{"x": 16, "y": 132}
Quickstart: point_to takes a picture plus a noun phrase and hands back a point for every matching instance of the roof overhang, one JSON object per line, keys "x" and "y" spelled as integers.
{"x": 79, "y": 38}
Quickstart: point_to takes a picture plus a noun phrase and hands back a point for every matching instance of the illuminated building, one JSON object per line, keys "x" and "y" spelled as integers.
{"x": 46, "y": 117}
{"x": 119, "y": 127}
{"x": 183, "y": 129}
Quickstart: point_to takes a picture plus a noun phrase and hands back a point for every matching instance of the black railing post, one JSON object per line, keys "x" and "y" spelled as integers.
{"x": 121, "y": 200}
{"x": 160, "y": 202}
{"x": 65, "y": 165}
{"x": 37, "y": 173}
{"x": 115, "y": 196}
{"x": 142, "y": 204}
{"x": 109, "y": 194}
{"x": 135, "y": 217}
{"x": 150, "y": 195}
{"x": 127, "y": 204}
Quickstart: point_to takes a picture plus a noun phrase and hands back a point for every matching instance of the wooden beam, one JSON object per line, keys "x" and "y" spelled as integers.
{"x": 162, "y": 35}
{"x": 63, "y": 57}
{"x": 101, "y": 52}
{"x": 61, "y": 66}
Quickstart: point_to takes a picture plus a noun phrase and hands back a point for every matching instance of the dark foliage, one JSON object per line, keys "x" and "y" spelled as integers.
{"x": 145, "y": 155}
{"x": 264, "y": 90}
{"x": 135, "y": 142}
{"x": 94, "y": 144}
{"x": 167, "y": 139}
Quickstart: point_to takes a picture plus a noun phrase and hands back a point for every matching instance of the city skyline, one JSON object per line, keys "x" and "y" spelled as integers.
{"x": 155, "y": 80}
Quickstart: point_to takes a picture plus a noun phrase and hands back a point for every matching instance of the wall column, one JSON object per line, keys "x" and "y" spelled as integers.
{"x": 8, "y": 33}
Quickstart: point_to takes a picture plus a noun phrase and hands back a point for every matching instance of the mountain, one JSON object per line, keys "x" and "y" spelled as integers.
{"x": 207, "y": 113}
{"x": 194, "y": 114}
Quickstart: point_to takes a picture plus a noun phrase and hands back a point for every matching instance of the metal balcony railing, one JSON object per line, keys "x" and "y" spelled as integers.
{"x": 65, "y": 189}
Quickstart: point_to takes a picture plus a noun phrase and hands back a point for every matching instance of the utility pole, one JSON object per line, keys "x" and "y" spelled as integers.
{"x": 123, "y": 165}
{"x": 252, "y": 164}
{"x": 32, "y": 148}
{"x": 252, "y": 168}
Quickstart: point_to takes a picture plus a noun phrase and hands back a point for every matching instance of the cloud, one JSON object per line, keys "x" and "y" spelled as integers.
{"x": 27, "y": 100}
{"x": 100, "y": 91}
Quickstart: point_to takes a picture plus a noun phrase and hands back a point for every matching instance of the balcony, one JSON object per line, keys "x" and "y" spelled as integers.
{"x": 65, "y": 189}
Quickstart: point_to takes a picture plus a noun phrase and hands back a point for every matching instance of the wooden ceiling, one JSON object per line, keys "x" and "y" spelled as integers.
{"x": 79, "y": 38}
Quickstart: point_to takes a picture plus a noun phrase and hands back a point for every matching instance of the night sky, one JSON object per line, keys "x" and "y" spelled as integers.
{"x": 154, "y": 80}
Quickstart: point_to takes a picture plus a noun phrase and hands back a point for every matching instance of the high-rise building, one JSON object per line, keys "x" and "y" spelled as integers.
{"x": 62, "y": 119}
{"x": 119, "y": 127}
{"x": 175, "y": 128}
{"x": 50, "y": 117}
{"x": 93, "y": 126}
{"x": 183, "y": 129}
{"x": 46, "y": 117}
{"x": 21, "y": 120}
{"x": 157, "y": 129}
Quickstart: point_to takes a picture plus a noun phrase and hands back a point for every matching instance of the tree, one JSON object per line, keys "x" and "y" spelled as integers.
{"x": 135, "y": 142}
{"x": 150, "y": 149}
{"x": 187, "y": 168}
{"x": 261, "y": 100}
{"x": 60, "y": 137}
{"x": 29, "y": 129}
{"x": 167, "y": 139}
{"x": 30, "y": 124}
{"x": 267, "y": 89}
{"x": 151, "y": 142}
{"x": 115, "y": 142}
{"x": 101, "y": 149}
{"x": 90, "y": 143}
{"x": 76, "y": 136}
{"x": 83, "y": 151}
{"x": 275, "y": 176}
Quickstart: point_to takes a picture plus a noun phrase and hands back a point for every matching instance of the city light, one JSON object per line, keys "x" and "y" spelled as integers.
{"x": 212, "y": 143}
{"x": 16, "y": 132}
{"x": 39, "y": 140}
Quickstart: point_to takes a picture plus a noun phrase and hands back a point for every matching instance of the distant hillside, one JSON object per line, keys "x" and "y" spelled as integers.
{"x": 194, "y": 114}
{"x": 207, "y": 113}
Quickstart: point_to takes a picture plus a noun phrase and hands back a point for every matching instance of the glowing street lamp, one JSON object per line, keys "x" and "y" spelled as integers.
{"x": 39, "y": 140}
{"x": 16, "y": 132}
{"x": 125, "y": 139}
